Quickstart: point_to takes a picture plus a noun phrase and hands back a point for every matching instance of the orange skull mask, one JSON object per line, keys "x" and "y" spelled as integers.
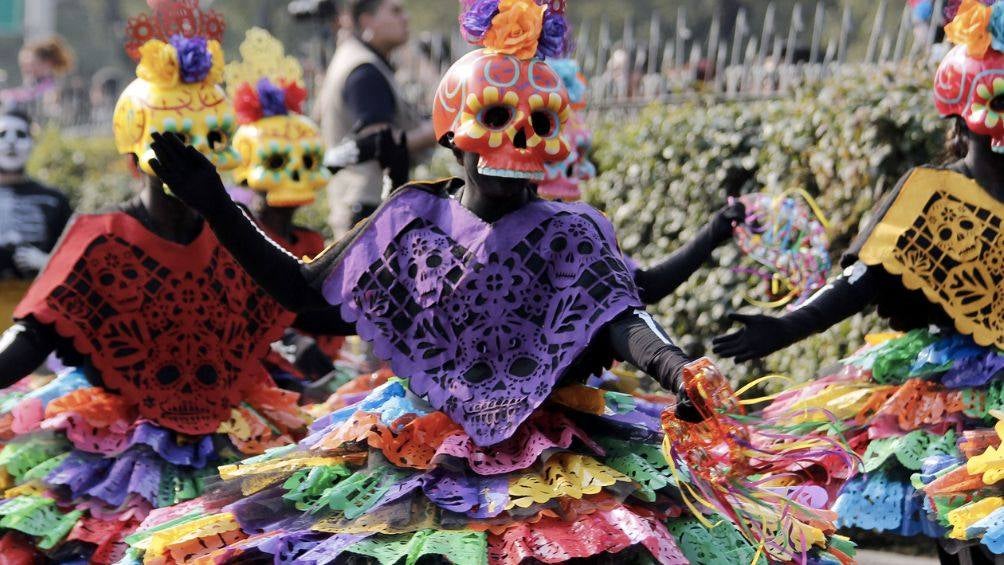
{"x": 510, "y": 112}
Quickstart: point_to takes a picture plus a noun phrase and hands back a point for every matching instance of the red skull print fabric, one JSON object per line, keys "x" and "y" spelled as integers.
{"x": 177, "y": 330}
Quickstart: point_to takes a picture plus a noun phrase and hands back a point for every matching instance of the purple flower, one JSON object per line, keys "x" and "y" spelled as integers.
{"x": 194, "y": 59}
{"x": 951, "y": 9}
{"x": 272, "y": 98}
{"x": 476, "y": 20}
{"x": 553, "y": 38}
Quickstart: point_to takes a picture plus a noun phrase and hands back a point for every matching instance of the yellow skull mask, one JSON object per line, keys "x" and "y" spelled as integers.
{"x": 161, "y": 100}
{"x": 281, "y": 156}
{"x": 281, "y": 150}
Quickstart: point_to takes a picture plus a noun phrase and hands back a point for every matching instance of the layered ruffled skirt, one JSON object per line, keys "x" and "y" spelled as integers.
{"x": 388, "y": 479}
{"x": 79, "y": 471}
{"x": 917, "y": 408}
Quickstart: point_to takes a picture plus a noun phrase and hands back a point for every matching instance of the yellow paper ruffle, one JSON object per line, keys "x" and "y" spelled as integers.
{"x": 565, "y": 475}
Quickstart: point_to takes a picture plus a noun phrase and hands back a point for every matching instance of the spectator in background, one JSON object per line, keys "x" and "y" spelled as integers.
{"x": 43, "y": 62}
{"x": 32, "y": 216}
{"x": 360, "y": 95}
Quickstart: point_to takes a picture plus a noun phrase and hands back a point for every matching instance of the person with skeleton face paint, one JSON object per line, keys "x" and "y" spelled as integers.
{"x": 932, "y": 260}
{"x": 32, "y": 216}
{"x": 491, "y": 305}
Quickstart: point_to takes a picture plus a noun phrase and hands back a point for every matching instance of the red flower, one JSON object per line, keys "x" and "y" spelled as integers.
{"x": 295, "y": 95}
{"x": 247, "y": 105}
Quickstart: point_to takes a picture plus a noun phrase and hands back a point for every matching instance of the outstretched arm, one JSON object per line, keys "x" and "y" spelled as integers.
{"x": 23, "y": 348}
{"x": 660, "y": 281}
{"x": 194, "y": 180}
{"x": 638, "y": 339}
{"x": 843, "y": 297}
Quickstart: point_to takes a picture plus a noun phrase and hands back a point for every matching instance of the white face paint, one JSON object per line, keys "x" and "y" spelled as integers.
{"x": 15, "y": 144}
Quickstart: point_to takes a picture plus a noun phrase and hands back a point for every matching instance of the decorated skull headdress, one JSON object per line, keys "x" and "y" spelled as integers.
{"x": 504, "y": 102}
{"x": 177, "y": 89}
{"x": 563, "y": 178}
{"x": 281, "y": 150}
{"x": 970, "y": 80}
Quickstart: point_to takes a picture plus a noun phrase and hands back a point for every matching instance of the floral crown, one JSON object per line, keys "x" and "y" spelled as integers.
{"x": 266, "y": 82}
{"x": 177, "y": 43}
{"x": 523, "y": 28}
{"x": 977, "y": 24}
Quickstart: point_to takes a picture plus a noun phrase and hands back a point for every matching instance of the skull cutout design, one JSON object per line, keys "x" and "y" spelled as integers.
{"x": 200, "y": 113}
{"x": 428, "y": 259}
{"x": 510, "y": 112}
{"x": 191, "y": 366}
{"x": 501, "y": 370}
{"x": 955, "y": 230}
{"x": 973, "y": 89}
{"x": 121, "y": 277}
{"x": 281, "y": 156}
{"x": 571, "y": 243}
{"x": 563, "y": 179}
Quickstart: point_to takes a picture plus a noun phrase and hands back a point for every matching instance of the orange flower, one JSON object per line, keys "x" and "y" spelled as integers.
{"x": 516, "y": 29}
{"x": 971, "y": 27}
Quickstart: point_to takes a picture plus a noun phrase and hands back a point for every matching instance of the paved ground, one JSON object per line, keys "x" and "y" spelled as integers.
{"x": 865, "y": 557}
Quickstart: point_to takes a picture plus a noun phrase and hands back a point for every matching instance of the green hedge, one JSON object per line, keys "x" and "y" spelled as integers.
{"x": 88, "y": 169}
{"x": 845, "y": 142}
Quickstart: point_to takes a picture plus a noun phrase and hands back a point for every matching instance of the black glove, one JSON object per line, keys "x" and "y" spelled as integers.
{"x": 843, "y": 297}
{"x": 189, "y": 175}
{"x": 761, "y": 336}
{"x": 685, "y": 409}
{"x": 726, "y": 219}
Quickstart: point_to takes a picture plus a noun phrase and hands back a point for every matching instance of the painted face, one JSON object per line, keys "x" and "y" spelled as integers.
{"x": 974, "y": 90}
{"x": 281, "y": 156}
{"x": 563, "y": 179}
{"x": 510, "y": 112}
{"x": 200, "y": 113}
{"x": 16, "y": 144}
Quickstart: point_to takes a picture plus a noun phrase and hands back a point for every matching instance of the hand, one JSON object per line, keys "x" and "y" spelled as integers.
{"x": 685, "y": 409}
{"x": 30, "y": 259}
{"x": 761, "y": 336}
{"x": 191, "y": 177}
{"x": 727, "y": 218}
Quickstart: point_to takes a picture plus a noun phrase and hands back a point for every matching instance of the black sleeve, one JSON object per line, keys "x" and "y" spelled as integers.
{"x": 369, "y": 97}
{"x": 23, "y": 348}
{"x": 638, "y": 339}
{"x": 850, "y": 293}
{"x": 660, "y": 281}
{"x": 327, "y": 321}
{"x": 277, "y": 271}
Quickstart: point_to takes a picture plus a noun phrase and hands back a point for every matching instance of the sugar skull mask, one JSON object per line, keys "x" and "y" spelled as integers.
{"x": 973, "y": 89}
{"x": 511, "y": 112}
{"x": 281, "y": 150}
{"x": 177, "y": 86}
{"x": 200, "y": 113}
{"x": 281, "y": 156}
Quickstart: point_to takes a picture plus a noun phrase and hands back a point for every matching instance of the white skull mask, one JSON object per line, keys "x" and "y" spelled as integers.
{"x": 955, "y": 230}
{"x": 16, "y": 143}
